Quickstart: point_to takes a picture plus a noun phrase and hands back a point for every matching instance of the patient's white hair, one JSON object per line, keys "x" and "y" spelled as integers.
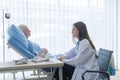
{"x": 22, "y": 27}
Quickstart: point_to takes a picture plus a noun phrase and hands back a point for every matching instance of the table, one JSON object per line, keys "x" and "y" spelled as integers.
{"x": 11, "y": 66}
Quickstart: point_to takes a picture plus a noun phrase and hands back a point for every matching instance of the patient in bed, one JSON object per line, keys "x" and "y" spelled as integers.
{"x": 18, "y": 37}
{"x": 33, "y": 47}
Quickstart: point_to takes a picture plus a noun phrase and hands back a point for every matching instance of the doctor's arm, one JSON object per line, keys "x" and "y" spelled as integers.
{"x": 82, "y": 56}
{"x": 67, "y": 55}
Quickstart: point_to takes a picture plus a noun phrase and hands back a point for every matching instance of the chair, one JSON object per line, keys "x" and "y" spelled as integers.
{"x": 104, "y": 57}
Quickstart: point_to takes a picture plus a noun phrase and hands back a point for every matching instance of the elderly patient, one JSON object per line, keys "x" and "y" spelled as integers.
{"x": 33, "y": 47}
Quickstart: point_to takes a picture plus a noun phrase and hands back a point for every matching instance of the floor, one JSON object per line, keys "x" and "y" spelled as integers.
{"x": 116, "y": 77}
{"x": 9, "y": 76}
{"x": 28, "y": 76}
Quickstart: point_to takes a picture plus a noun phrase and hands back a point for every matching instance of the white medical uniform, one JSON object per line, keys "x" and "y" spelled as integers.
{"x": 83, "y": 58}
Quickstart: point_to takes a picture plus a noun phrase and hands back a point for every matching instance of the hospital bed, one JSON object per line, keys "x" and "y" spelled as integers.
{"x": 18, "y": 42}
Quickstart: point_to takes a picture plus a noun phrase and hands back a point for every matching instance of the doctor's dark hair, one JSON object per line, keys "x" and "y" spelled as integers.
{"x": 83, "y": 33}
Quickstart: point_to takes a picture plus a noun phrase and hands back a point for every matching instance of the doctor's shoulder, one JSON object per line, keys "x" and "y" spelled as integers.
{"x": 84, "y": 42}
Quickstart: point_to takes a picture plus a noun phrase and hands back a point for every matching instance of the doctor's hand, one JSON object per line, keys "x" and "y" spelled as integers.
{"x": 61, "y": 58}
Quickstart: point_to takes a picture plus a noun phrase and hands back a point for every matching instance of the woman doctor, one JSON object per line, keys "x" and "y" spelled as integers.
{"x": 80, "y": 58}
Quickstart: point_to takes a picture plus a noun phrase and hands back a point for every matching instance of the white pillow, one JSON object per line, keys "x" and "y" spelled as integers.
{"x": 17, "y": 34}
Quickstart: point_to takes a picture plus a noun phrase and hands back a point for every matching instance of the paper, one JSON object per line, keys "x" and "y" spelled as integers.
{"x": 40, "y": 59}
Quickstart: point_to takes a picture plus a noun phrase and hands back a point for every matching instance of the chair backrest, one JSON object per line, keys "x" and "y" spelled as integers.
{"x": 104, "y": 60}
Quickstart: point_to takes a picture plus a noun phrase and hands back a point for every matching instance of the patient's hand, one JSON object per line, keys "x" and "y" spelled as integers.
{"x": 45, "y": 50}
{"x": 42, "y": 55}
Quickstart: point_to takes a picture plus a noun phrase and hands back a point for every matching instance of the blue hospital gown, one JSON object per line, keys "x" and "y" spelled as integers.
{"x": 34, "y": 48}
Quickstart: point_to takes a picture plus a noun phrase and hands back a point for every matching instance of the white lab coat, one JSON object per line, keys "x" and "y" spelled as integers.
{"x": 84, "y": 60}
